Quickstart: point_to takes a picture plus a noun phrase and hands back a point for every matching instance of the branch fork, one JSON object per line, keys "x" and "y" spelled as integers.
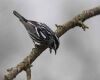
{"x": 82, "y": 25}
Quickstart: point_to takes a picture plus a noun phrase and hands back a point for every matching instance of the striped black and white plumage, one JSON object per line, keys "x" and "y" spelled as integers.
{"x": 40, "y": 32}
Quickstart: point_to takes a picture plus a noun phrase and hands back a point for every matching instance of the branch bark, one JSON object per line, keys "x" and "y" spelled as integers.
{"x": 76, "y": 21}
{"x": 28, "y": 73}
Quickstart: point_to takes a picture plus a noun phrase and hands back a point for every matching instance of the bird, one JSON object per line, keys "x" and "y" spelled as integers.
{"x": 39, "y": 32}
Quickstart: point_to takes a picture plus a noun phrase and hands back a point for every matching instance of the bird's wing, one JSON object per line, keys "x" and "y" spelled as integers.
{"x": 35, "y": 33}
{"x": 40, "y": 30}
{"x": 42, "y": 26}
{"x": 35, "y": 37}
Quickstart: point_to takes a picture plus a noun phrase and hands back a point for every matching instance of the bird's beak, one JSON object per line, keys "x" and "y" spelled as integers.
{"x": 55, "y": 52}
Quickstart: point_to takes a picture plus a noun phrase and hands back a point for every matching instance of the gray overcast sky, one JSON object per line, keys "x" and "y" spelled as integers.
{"x": 78, "y": 57}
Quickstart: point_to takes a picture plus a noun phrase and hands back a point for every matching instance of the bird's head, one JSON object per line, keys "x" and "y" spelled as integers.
{"x": 54, "y": 43}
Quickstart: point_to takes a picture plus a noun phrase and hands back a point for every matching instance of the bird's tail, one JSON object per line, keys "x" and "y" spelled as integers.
{"x": 21, "y": 18}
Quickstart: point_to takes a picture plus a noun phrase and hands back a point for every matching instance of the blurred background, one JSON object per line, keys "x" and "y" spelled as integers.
{"x": 78, "y": 57}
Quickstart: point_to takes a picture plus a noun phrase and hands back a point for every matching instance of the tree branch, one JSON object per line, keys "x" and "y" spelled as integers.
{"x": 76, "y": 21}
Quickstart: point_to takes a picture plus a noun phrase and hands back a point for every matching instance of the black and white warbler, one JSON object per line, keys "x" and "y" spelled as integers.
{"x": 39, "y": 32}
